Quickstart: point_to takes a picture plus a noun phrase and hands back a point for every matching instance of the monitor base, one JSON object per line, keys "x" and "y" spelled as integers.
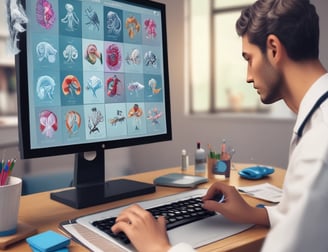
{"x": 110, "y": 191}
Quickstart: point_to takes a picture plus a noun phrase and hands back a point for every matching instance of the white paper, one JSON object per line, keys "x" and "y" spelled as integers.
{"x": 265, "y": 191}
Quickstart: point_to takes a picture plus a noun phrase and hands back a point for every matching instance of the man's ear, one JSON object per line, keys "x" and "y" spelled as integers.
{"x": 274, "y": 48}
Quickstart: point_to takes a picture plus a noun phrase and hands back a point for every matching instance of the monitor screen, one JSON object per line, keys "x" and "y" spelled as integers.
{"x": 92, "y": 75}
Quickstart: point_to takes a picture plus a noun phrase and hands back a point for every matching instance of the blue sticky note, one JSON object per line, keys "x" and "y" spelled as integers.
{"x": 59, "y": 250}
{"x": 48, "y": 241}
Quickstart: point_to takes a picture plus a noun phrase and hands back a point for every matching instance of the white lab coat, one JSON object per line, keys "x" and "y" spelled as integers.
{"x": 300, "y": 221}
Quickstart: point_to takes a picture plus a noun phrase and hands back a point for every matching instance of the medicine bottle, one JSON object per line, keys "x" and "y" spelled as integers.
{"x": 200, "y": 161}
{"x": 184, "y": 160}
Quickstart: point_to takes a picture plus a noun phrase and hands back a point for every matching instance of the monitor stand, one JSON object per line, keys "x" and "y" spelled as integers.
{"x": 90, "y": 187}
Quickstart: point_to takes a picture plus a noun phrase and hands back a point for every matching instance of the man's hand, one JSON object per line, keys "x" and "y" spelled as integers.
{"x": 234, "y": 207}
{"x": 145, "y": 232}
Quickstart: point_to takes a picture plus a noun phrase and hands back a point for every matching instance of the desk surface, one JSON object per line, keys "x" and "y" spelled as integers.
{"x": 43, "y": 213}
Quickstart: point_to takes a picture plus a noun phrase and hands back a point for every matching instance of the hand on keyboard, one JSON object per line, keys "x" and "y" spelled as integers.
{"x": 233, "y": 206}
{"x": 172, "y": 215}
{"x": 141, "y": 228}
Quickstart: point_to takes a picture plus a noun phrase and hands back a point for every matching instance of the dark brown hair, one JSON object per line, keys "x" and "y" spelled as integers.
{"x": 294, "y": 22}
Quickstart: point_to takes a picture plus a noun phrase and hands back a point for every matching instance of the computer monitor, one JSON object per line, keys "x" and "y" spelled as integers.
{"x": 92, "y": 75}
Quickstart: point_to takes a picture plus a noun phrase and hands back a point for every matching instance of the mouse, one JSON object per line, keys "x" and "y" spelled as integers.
{"x": 251, "y": 173}
{"x": 256, "y": 172}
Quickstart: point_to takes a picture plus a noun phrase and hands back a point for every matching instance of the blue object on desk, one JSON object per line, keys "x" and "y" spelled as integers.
{"x": 256, "y": 172}
{"x": 48, "y": 241}
{"x": 59, "y": 250}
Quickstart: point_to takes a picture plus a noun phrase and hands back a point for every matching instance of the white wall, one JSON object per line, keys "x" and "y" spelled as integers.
{"x": 322, "y": 7}
{"x": 255, "y": 140}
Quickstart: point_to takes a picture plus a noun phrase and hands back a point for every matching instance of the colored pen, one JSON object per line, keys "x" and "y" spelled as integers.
{"x": 6, "y": 169}
{"x": 2, "y": 171}
{"x": 224, "y": 154}
{"x": 11, "y": 164}
{"x": 4, "y": 174}
{"x": 11, "y": 167}
{"x": 211, "y": 152}
{"x": 223, "y": 146}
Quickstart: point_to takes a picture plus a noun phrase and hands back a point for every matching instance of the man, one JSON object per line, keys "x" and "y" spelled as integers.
{"x": 280, "y": 40}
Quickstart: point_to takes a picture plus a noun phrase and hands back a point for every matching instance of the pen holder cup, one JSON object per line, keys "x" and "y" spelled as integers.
{"x": 211, "y": 163}
{"x": 9, "y": 205}
{"x": 218, "y": 167}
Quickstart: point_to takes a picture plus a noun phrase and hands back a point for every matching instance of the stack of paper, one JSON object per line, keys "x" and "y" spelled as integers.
{"x": 265, "y": 191}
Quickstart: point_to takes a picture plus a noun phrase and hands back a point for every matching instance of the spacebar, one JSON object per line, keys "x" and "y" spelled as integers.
{"x": 179, "y": 223}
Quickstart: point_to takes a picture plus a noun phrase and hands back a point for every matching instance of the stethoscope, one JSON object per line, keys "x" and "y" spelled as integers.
{"x": 314, "y": 108}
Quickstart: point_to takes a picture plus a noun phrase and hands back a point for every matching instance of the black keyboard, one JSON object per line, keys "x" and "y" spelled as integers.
{"x": 176, "y": 214}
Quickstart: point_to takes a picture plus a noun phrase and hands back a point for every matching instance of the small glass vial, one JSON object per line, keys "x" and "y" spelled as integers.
{"x": 184, "y": 160}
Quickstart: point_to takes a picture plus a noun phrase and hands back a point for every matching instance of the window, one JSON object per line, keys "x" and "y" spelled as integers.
{"x": 216, "y": 71}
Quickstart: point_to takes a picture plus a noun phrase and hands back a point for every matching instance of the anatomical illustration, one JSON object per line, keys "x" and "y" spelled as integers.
{"x": 135, "y": 87}
{"x": 70, "y": 54}
{"x": 45, "y": 14}
{"x": 46, "y": 52}
{"x": 150, "y": 28}
{"x": 95, "y": 117}
{"x": 152, "y": 83}
{"x": 45, "y": 87}
{"x": 112, "y": 86}
{"x": 71, "y": 19}
{"x": 48, "y": 123}
{"x": 93, "y": 19}
{"x": 150, "y": 59}
{"x": 133, "y": 57}
{"x": 132, "y": 26}
{"x": 135, "y": 113}
{"x": 71, "y": 85}
{"x": 94, "y": 83}
{"x": 154, "y": 115}
{"x": 72, "y": 122}
{"x": 113, "y": 57}
{"x": 92, "y": 54}
{"x": 119, "y": 118}
{"x": 114, "y": 23}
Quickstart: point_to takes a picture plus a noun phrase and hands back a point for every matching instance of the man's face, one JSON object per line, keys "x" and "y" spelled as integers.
{"x": 266, "y": 79}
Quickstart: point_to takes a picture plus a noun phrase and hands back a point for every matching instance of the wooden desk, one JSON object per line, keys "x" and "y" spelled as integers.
{"x": 43, "y": 213}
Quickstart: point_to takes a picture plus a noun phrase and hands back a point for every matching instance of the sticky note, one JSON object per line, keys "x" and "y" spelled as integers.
{"x": 48, "y": 241}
